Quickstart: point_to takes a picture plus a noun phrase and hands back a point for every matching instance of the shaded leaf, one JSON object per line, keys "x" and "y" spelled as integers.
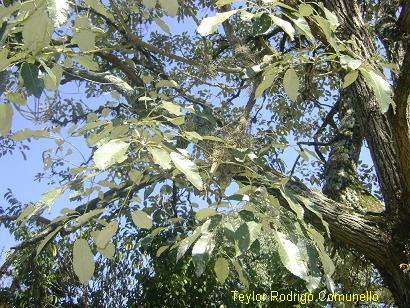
{"x": 44, "y": 242}
{"x": 245, "y": 235}
{"x": 142, "y": 220}
{"x": 34, "y": 85}
{"x": 221, "y": 269}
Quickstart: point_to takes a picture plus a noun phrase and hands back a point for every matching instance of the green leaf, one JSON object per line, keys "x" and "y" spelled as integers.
{"x": 262, "y": 24}
{"x": 97, "y": 6}
{"x": 170, "y": 7}
{"x": 381, "y": 88}
{"x": 87, "y": 216}
{"x": 188, "y": 168}
{"x": 162, "y": 25}
{"x": 44, "y": 242}
{"x": 350, "y": 78}
{"x": 167, "y": 84}
{"x": 110, "y": 153}
{"x": 269, "y": 77}
{"x": 50, "y": 197}
{"x": 161, "y": 157}
{"x": 106, "y": 234}
{"x": 33, "y": 84}
{"x": 331, "y": 17}
{"x": 83, "y": 261}
{"x": 26, "y": 213}
{"x": 6, "y": 117}
{"x": 291, "y": 257}
{"x": 172, "y": 108}
{"x": 142, "y": 220}
{"x": 291, "y": 84}
{"x": 108, "y": 251}
{"x": 305, "y": 9}
{"x": 83, "y": 36}
{"x": 245, "y": 235}
{"x": 201, "y": 252}
{"x": 135, "y": 176}
{"x": 202, "y": 214}
{"x": 184, "y": 245}
{"x": 241, "y": 274}
{"x": 285, "y": 25}
{"x": 37, "y": 31}
{"x": 88, "y": 62}
{"x": 348, "y": 62}
{"x": 149, "y": 4}
{"x": 58, "y": 11}
{"x": 161, "y": 250}
{"x": 326, "y": 28}
{"x": 221, "y": 269}
{"x": 303, "y": 27}
{"x": 220, "y": 3}
{"x": 210, "y": 24}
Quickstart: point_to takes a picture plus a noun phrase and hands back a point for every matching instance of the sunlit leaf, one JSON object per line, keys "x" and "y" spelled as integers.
{"x": 160, "y": 157}
{"x": 188, "y": 168}
{"x": 83, "y": 261}
{"x": 210, "y": 24}
{"x": 202, "y": 214}
{"x": 106, "y": 234}
{"x": 6, "y": 117}
{"x": 110, "y": 153}
{"x": 202, "y": 251}
{"x": 291, "y": 84}
{"x": 170, "y": 7}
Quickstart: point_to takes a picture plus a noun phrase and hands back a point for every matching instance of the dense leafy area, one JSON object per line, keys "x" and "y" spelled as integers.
{"x": 179, "y": 197}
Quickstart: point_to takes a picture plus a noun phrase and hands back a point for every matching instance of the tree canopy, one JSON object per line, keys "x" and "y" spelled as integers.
{"x": 174, "y": 161}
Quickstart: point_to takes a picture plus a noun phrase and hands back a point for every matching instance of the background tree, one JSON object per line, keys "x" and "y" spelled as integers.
{"x": 188, "y": 155}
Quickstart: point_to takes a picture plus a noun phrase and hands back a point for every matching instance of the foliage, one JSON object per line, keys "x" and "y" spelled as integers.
{"x": 183, "y": 192}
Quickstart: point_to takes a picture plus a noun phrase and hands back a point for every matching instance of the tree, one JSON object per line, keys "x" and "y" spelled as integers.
{"x": 205, "y": 118}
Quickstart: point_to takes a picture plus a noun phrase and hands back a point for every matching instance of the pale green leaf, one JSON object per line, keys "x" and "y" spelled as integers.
{"x": 142, "y": 220}
{"x": 172, "y": 108}
{"x": 291, "y": 84}
{"x": 58, "y": 11}
{"x": 303, "y": 27}
{"x": 110, "y": 153}
{"x": 220, "y": 3}
{"x": 381, "y": 88}
{"x": 186, "y": 243}
{"x": 326, "y": 28}
{"x": 135, "y": 176}
{"x": 188, "y": 168}
{"x": 50, "y": 197}
{"x": 149, "y": 4}
{"x": 285, "y": 25}
{"x": 161, "y": 157}
{"x": 167, "y": 84}
{"x": 83, "y": 36}
{"x": 108, "y": 251}
{"x": 348, "y": 62}
{"x": 83, "y": 261}
{"x": 44, "y": 242}
{"x": 106, "y": 234}
{"x": 88, "y": 62}
{"x": 201, "y": 252}
{"x": 161, "y": 250}
{"x": 87, "y": 216}
{"x": 202, "y": 214}
{"x": 170, "y": 7}
{"x": 305, "y": 9}
{"x": 210, "y": 24}
{"x": 97, "y": 6}
{"x": 6, "y": 117}
{"x": 221, "y": 269}
{"x": 291, "y": 257}
{"x": 37, "y": 31}
{"x": 350, "y": 78}
{"x": 163, "y": 26}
